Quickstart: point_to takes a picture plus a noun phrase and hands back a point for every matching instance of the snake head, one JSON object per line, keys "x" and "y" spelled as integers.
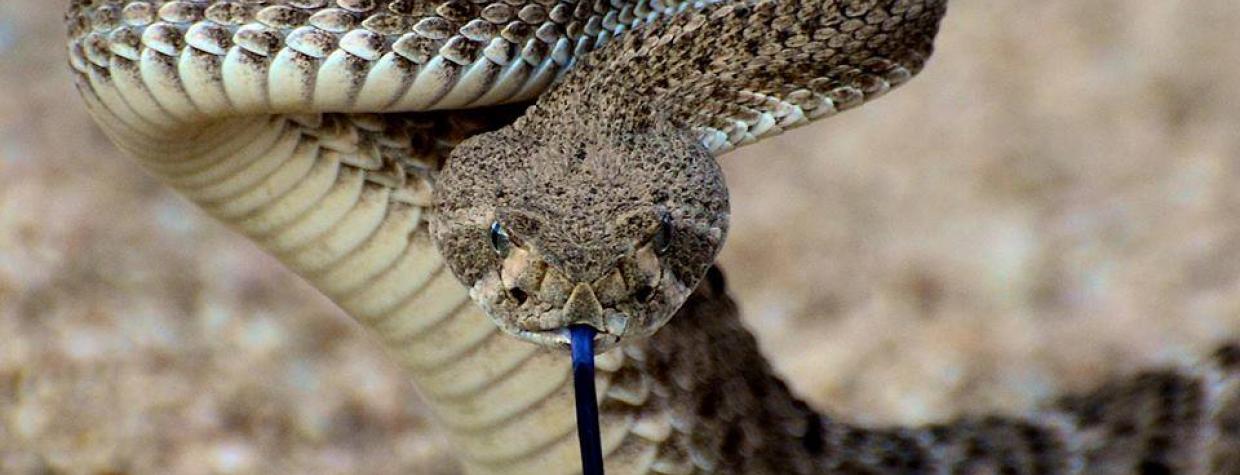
{"x": 607, "y": 228}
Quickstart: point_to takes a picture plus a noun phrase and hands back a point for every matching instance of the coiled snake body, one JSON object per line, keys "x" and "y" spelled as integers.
{"x": 319, "y": 129}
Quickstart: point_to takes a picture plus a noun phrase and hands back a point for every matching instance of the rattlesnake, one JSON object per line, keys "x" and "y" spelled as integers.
{"x": 297, "y": 123}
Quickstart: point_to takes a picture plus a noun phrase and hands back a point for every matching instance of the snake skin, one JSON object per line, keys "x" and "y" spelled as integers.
{"x": 316, "y": 128}
{"x": 731, "y": 414}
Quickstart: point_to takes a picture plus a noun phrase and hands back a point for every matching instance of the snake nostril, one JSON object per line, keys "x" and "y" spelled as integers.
{"x": 644, "y": 293}
{"x": 519, "y": 295}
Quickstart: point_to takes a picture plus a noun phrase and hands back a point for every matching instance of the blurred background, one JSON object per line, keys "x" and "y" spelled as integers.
{"x": 1052, "y": 201}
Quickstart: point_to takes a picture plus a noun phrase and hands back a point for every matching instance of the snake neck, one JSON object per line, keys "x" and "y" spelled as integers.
{"x": 725, "y": 408}
{"x": 729, "y": 413}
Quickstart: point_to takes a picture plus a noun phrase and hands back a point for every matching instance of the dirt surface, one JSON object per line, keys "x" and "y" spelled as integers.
{"x": 1052, "y": 201}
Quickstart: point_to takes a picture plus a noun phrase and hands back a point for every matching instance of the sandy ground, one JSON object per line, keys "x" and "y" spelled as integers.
{"x": 1052, "y": 201}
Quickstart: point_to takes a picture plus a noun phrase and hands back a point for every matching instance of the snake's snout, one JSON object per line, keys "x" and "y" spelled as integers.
{"x": 538, "y": 301}
{"x": 557, "y": 303}
{"x": 583, "y": 308}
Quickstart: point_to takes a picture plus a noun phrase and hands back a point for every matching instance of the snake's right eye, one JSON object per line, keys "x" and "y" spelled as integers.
{"x": 663, "y": 237}
{"x": 499, "y": 239}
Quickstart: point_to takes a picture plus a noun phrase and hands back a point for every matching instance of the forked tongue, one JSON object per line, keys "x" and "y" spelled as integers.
{"x": 582, "y": 338}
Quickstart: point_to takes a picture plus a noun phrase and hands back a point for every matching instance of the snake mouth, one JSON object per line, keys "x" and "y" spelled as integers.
{"x": 560, "y": 338}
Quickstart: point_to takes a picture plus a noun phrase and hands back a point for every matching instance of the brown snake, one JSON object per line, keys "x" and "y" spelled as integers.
{"x": 319, "y": 129}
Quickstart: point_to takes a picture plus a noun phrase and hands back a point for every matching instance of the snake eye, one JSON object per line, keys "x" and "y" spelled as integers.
{"x": 663, "y": 238}
{"x": 499, "y": 239}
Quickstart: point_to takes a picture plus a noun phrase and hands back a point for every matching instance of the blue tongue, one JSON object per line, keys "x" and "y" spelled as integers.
{"x": 587, "y": 401}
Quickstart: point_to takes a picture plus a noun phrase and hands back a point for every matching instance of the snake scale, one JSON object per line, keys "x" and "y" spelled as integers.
{"x": 328, "y": 131}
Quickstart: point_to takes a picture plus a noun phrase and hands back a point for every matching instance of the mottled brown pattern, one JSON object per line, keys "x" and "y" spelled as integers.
{"x": 735, "y": 72}
{"x": 737, "y": 416}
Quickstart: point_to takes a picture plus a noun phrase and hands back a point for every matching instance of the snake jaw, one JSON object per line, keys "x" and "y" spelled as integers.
{"x": 560, "y": 338}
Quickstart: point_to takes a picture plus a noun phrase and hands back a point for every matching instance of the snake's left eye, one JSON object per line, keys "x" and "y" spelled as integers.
{"x": 663, "y": 238}
{"x": 500, "y": 241}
